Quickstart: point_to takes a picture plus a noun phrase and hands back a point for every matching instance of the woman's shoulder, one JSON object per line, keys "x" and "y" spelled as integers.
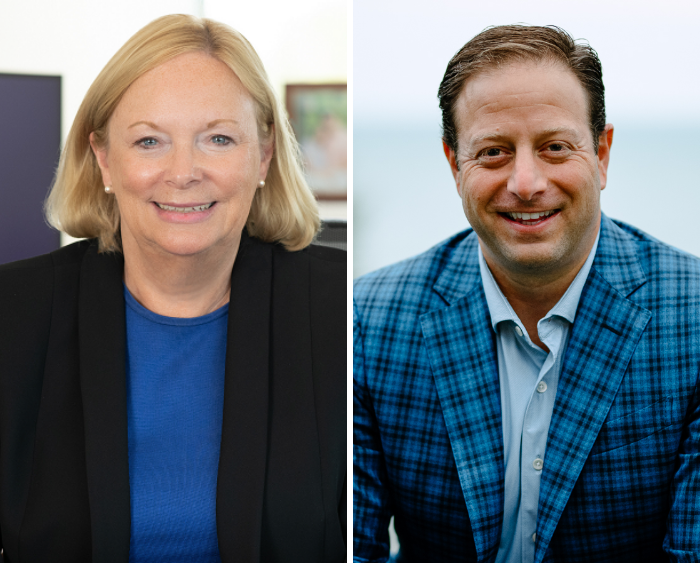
{"x": 322, "y": 261}
{"x": 326, "y": 253}
{"x": 70, "y": 255}
{"x": 30, "y": 285}
{"x": 29, "y": 292}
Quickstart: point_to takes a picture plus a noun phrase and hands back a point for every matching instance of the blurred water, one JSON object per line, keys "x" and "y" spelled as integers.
{"x": 404, "y": 199}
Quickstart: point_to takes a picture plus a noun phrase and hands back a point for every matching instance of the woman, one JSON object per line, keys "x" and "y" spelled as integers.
{"x": 173, "y": 388}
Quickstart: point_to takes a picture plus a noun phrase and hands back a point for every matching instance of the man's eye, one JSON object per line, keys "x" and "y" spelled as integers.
{"x": 493, "y": 152}
{"x": 556, "y": 147}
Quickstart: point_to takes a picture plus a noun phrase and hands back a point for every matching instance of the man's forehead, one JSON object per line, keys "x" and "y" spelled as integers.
{"x": 549, "y": 97}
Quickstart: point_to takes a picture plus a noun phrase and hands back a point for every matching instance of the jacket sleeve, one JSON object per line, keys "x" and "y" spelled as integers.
{"x": 371, "y": 506}
{"x": 682, "y": 541}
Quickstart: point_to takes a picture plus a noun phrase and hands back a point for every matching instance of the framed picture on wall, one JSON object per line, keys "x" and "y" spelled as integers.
{"x": 319, "y": 117}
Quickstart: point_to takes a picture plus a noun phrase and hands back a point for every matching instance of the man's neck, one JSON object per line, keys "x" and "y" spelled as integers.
{"x": 532, "y": 296}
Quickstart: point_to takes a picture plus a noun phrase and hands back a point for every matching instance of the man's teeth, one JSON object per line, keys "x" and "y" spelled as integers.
{"x": 530, "y": 216}
{"x": 185, "y": 209}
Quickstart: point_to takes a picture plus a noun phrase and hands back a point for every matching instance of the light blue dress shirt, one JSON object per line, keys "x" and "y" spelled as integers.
{"x": 528, "y": 379}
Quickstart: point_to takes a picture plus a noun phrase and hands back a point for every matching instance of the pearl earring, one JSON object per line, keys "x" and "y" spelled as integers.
{"x": 261, "y": 184}
{"x": 107, "y": 189}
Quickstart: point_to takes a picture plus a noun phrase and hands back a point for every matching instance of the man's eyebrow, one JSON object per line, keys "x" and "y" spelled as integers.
{"x": 486, "y": 137}
{"x": 477, "y": 140}
{"x": 557, "y": 130}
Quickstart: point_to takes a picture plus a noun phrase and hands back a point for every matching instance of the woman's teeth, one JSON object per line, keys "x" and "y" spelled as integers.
{"x": 184, "y": 209}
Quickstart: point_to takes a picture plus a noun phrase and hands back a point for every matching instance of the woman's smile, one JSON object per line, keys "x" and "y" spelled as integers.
{"x": 184, "y": 214}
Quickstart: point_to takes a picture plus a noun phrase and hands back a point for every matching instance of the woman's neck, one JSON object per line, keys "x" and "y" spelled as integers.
{"x": 179, "y": 286}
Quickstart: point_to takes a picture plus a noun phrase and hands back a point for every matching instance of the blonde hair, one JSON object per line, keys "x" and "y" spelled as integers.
{"x": 283, "y": 211}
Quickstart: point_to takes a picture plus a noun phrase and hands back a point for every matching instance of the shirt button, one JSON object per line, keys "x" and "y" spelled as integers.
{"x": 541, "y": 387}
{"x": 538, "y": 464}
{"x": 520, "y": 332}
{"x": 534, "y": 537}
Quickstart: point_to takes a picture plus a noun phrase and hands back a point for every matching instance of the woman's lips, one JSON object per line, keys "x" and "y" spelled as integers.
{"x": 186, "y": 208}
{"x": 184, "y": 213}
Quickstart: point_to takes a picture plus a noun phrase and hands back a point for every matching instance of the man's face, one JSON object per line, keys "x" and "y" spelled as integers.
{"x": 526, "y": 169}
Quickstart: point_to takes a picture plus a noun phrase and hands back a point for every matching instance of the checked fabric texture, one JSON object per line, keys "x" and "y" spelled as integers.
{"x": 621, "y": 477}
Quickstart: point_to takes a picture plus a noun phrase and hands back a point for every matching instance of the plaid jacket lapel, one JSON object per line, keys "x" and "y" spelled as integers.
{"x": 461, "y": 348}
{"x": 604, "y": 336}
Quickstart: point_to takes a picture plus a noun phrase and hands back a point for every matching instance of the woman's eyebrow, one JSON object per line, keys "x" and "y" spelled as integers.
{"x": 209, "y": 125}
{"x": 217, "y": 121}
{"x": 149, "y": 123}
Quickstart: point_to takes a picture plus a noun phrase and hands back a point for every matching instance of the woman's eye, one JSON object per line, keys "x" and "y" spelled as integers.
{"x": 147, "y": 142}
{"x": 220, "y": 140}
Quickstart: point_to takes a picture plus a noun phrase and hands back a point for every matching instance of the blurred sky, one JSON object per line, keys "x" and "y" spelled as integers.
{"x": 649, "y": 51}
{"x": 403, "y": 194}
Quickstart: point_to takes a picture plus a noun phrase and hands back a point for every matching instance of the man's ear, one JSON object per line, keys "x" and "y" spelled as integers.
{"x": 101, "y": 156}
{"x": 452, "y": 159}
{"x": 604, "y": 144}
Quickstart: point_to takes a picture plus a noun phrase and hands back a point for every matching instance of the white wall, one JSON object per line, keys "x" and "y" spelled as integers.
{"x": 300, "y": 41}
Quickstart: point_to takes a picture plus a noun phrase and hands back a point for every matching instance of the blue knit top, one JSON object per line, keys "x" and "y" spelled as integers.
{"x": 175, "y": 399}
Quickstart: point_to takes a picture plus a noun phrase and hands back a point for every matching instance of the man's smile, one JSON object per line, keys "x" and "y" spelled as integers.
{"x": 531, "y": 218}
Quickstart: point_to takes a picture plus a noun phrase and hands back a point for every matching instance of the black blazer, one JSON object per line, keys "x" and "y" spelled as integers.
{"x": 64, "y": 473}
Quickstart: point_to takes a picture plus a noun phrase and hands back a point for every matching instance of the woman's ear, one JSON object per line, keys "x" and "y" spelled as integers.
{"x": 267, "y": 148}
{"x": 101, "y": 156}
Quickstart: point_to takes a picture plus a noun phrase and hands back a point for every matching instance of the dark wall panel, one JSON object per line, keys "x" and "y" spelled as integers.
{"x": 30, "y": 140}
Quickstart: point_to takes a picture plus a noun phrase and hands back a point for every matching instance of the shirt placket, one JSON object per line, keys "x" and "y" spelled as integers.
{"x": 534, "y": 438}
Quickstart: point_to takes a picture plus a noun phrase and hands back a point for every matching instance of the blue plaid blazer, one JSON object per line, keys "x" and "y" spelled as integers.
{"x": 621, "y": 480}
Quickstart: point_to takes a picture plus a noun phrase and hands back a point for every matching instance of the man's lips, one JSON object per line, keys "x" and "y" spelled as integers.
{"x": 529, "y": 218}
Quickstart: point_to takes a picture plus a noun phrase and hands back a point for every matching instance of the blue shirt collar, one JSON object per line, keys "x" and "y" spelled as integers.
{"x": 501, "y": 310}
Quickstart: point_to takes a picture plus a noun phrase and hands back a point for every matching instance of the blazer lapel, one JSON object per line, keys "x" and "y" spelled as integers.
{"x": 604, "y": 336}
{"x": 243, "y": 457}
{"x": 102, "y": 341}
{"x": 462, "y": 352}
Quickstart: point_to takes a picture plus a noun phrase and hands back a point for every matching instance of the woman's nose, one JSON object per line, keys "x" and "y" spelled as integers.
{"x": 184, "y": 167}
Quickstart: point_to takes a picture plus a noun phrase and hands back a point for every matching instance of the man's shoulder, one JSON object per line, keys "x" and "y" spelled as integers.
{"x": 409, "y": 279}
{"x": 660, "y": 262}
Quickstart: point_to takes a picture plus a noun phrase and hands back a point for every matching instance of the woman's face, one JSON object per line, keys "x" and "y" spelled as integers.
{"x": 184, "y": 158}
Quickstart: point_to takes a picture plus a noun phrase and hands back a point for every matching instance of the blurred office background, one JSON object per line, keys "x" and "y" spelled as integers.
{"x": 404, "y": 199}
{"x": 58, "y": 48}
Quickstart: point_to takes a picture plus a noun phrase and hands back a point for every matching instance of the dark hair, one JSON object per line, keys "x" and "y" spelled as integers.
{"x": 500, "y": 45}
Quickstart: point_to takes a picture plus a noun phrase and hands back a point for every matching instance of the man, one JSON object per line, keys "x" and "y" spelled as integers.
{"x": 528, "y": 391}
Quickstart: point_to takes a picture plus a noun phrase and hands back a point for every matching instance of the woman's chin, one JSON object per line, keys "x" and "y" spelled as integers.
{"x": 185, "y": 245}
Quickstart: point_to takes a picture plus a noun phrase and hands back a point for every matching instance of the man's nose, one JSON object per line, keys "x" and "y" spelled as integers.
{"x": 183, "y": 167}
{"x": 526, "y": 179}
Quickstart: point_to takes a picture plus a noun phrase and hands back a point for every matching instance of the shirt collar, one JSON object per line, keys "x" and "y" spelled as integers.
{"x": 501, "y": 310}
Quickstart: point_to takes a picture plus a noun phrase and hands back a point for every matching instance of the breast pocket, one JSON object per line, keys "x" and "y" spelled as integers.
{"x": 636, "y": 426}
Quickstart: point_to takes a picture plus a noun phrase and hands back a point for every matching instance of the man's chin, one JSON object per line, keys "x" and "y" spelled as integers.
{"x": 531, "y": 260}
